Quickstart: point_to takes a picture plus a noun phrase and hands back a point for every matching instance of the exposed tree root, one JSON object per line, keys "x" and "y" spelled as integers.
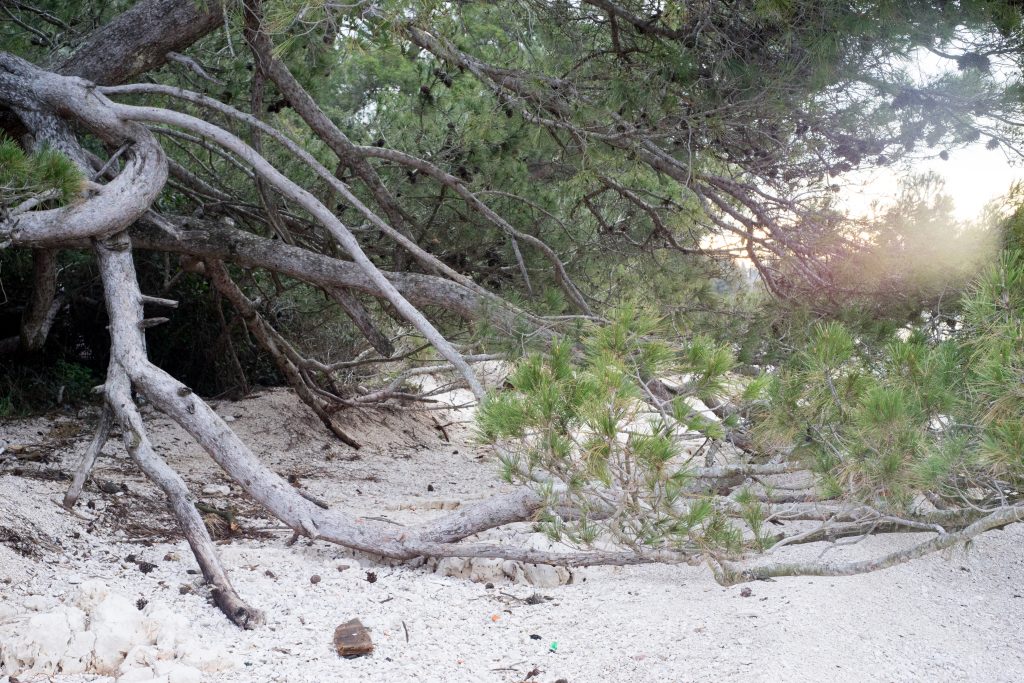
{"x": 137, "y": 443}
{"x": 89, "y": 459}
{"x": 729, "y": 573}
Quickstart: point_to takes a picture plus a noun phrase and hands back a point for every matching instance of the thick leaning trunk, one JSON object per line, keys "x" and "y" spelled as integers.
{"x": 361, "y": 318}
{"x": 132, "y": 43}
{"x": 204, "y": 239}
{"x": 140, "y": 39}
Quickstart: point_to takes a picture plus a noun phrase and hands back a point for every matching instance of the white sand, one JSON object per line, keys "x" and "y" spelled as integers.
{"x": 945, "y": 618}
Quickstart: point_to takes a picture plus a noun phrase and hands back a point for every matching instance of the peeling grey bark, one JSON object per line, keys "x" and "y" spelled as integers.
{"x": 141, "y": 38}
{"x": 208, "y": 239}
{"x": 44, "y": 305}
{"x": 89, "y": 459}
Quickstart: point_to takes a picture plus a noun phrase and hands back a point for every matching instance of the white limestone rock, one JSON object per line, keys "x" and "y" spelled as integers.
{"x": 37, "y": 644}
{"x": 139, "y": 657}
{"x": 176, "y": 672}
{"x": 38, "y": 603}
{"x": 78, "y": 656}
{"x": 205, "y": 657}
{"x": 141, "y": 675}
{"x": 546, "y": 576}
{"x": 458, "y": 567}
{"x": 166, "y": 628}
{"x": 118, "y": 626}
{"x": 90, "y": 594}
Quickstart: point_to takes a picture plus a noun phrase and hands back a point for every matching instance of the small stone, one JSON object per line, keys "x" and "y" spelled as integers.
{"x": 216, "y": 490}
{"x": 315, "y": 579}
{"x": 343, "y": 567}
{"x": 229, "y": 418}
{"x": 745, "y": 592}
{"x": 371, "y": 577}
{"x": 352, "y": 639}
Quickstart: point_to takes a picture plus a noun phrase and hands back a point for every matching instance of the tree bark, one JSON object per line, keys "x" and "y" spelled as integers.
{"x": 206, "y": 239}
{"x": 139, "y": 39}
{"x": 321, "y": 213}
{"x": 45, "y": 304}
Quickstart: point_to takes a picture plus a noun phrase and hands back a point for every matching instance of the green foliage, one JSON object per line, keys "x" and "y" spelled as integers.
{"x": 938, "y": 412}
{"x": 46, "y": 174}
{"x": 579, "y": 415}
{"x": 76, "y": 380}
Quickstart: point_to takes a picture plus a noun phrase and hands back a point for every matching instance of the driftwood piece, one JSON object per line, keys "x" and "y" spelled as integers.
{"x": 352, "y": 639}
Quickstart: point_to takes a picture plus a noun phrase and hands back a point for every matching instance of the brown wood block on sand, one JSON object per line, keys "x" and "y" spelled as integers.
{"x": 352, "y": 639}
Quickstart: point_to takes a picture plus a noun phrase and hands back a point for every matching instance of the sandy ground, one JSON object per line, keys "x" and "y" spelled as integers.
{"x": 945, "y": 618}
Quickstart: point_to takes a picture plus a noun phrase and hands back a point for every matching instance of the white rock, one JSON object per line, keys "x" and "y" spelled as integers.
{"x": 38, "y": 643}
{"x": 177, "y": 672}
{"x": 545, "y": 576}
{"x": 119, "y": 627}
{"x": 90, "y": 594}
{"x": 216, "y": 490}
{"x": 165, "y": 627}
{"x": 8, "y": 611}
{"x": 458, "y": 567}
{"x": 139, "y": 657}
{"x": 78, "y": 656}
{"x": 513, "y": 570}
{"x": 486, "y": 569}
{"x": 701, "y": 408}
{"x": 205, "y": 657}
{"x": 139, "y": 675}
{"x": 38, "y": 603}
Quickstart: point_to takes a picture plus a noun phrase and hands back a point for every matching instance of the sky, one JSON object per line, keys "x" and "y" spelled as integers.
{"x": 974, "y": 177}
